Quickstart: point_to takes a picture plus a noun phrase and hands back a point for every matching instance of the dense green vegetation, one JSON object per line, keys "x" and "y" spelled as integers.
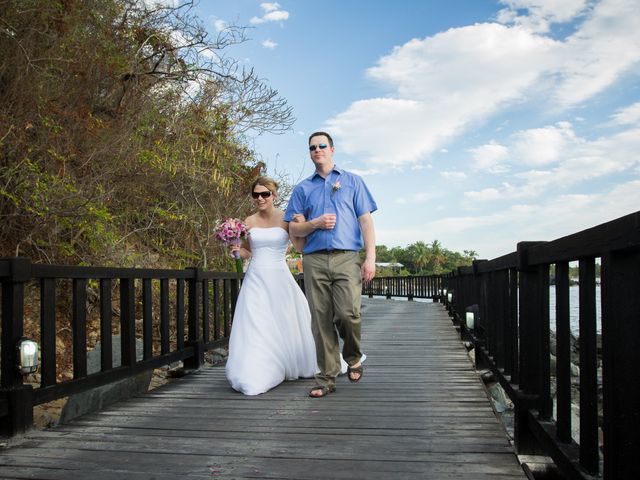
{"x": 421, "y": 258}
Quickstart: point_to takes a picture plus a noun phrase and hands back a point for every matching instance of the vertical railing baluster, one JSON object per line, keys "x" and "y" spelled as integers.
{"x": 194, "y": 286}
{"x": 206, "y": 331}
{"x": 217, "y": 310}
{"x": 165, "y": 345}
{"x": 147, "y": 319}
{"x": 589, "y": 458}
{"x": 127, "y": 322}
{"x": 106, "y": 325}
{"x": 513, "y": 326}
{"x": 563, "y": 354}
{"x": 48, "y": 332}
{"x": 79, "y": 327}
{"x": 620, "y": 359}
{"x": 500, "y": 298}
{"x": 545, "y": 408}
{"x": 179, "y": 314}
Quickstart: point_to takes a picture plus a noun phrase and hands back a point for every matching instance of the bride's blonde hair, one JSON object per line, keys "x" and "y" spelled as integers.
{"x": 267, "y": 182}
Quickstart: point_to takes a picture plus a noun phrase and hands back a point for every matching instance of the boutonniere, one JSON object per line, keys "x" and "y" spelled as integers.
{"x": 336, "y": 186}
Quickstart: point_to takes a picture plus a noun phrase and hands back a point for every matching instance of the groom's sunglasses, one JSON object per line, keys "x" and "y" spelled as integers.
{"x": 266, "y": 194}
{"x": 322, "y": 146}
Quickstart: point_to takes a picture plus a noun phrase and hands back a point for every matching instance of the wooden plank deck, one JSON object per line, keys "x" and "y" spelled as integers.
{"x": 420, "y": 412}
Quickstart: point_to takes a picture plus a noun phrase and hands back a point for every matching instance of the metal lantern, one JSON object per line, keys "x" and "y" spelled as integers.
{"x": 27, "y": 356}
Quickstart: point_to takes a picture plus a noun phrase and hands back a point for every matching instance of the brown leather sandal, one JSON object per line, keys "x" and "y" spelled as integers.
{"x": 324, "y": 391}
{"x": 351, "y": 370}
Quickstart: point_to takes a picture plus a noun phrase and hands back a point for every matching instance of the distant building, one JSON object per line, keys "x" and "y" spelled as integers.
{"x": 392, "y": 266}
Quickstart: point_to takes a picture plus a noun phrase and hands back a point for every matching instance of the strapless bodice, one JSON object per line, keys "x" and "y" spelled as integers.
{"x": 268, "y": 246}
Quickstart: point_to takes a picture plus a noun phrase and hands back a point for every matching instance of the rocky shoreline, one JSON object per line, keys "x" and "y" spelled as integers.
{"x": 503, "y": 406}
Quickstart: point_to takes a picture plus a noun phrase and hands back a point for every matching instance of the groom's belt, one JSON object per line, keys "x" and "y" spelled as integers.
{"x": 330, "y": 252}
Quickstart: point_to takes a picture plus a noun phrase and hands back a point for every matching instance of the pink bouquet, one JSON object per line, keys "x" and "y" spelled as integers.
{"x": 231, "y": 231}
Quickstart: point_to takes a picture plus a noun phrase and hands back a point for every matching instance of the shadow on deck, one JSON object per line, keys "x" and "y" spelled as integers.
{"x": 419, "y": 412}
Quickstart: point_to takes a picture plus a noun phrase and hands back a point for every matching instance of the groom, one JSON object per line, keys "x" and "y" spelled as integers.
{"x": 338, "y": 207}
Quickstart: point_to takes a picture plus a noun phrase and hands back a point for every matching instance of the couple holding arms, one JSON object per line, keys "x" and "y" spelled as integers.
{"x": 277, "y": 334}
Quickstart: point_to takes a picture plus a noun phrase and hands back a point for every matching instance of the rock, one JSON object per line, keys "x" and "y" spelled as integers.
{"x": 501, "y": 401}
{"x": 215, "y": 356}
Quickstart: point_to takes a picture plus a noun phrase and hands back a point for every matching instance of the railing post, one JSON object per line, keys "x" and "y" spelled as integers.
{"x": 19, "y": 397}
{"x": 194, "y": 338}
{"x": 532, "y": 350}
{"x": 621, "y": 356}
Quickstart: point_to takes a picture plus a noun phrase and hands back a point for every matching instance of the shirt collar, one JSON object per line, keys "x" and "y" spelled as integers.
{"x": 336, "y": 169}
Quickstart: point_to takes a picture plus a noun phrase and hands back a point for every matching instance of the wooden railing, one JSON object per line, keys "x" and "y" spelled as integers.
{"x": 511, "y": 334}
{"x": 419, "y": 286}
{"x": 511, "y": 298}
{"x": 162, "y": 299}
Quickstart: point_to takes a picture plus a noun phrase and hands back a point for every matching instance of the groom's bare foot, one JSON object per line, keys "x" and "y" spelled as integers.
{"x": 354, "y": 372}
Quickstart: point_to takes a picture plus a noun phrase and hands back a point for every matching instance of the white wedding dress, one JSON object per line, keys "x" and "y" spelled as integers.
{"x": 271, "y": 338}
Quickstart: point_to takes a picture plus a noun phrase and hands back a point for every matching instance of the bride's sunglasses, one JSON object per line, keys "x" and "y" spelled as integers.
{"x": 266, "y": 194}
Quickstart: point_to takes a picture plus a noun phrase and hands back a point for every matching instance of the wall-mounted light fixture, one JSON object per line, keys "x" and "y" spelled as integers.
{"x": 27, "y": 356}
{"x": 470, "y": 320}
{"x": 472, "y": 316}
{"x": 450, "y": 297}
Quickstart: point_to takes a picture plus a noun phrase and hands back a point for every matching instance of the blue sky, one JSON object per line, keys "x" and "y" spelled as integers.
{"x": 477, "y": 123}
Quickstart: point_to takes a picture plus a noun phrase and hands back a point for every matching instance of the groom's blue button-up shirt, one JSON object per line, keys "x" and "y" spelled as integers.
{"x": 342, "y": 193}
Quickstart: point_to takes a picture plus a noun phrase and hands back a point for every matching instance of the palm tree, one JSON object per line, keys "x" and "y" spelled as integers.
{"x": 422, "y": 255}
{"x": 438, "y": 257}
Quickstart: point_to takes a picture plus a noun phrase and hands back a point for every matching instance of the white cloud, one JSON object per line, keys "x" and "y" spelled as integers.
{"x": 270, "y": 7}
{"x": 218, "y": 24}
{"x": 160, "y": 3}
{"x": 272, "y": 14}
{"x": 453, "y": 176}
{"x": 434, "y": 98}
{"x": 605, "y": 46}
{"x": 541, "y": 146}
{"x": 541, "y": 13}
{"x": 627, "y": 116}
{"x": 569, "y": 160}
{"x": 365, "y": 173}
{"x": 490, "y": 157}
{"x": 269, "y": 44}
{"x": 421, "y": 197}
{"x": 441, "y": 86}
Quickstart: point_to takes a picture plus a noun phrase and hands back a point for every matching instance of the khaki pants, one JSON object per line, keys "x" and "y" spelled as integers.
{"x": 333, "y": 286}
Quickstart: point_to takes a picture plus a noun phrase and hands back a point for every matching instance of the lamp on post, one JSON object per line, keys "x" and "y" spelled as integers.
{"x": 27, "y": 356}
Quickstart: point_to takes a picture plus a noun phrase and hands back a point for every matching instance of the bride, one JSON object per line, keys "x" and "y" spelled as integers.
{"x": 271, "y": 339}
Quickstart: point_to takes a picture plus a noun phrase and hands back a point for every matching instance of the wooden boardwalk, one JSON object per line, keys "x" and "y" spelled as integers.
{"x": 420, "y": 412}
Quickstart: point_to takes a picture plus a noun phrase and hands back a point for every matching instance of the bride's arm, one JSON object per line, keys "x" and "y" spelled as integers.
{"x": 298, "y": 242}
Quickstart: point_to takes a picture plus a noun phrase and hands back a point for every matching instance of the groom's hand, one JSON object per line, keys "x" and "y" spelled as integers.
{"x": 326, "y": 221}
{"x": 368, "y": 270}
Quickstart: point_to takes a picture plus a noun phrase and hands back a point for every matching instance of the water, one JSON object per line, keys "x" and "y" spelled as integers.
{"x": 574, "y": 310}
